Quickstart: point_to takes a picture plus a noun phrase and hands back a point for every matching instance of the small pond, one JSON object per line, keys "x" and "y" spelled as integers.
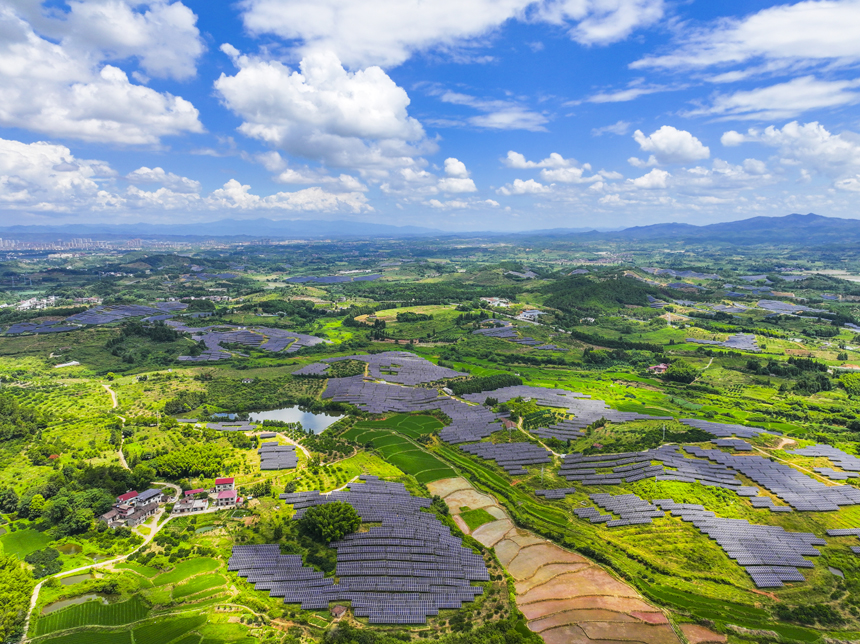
{"x": 64, "y": 603}
{"x": 836, "y": 571}
{"x": 314, "y": 422}
{"x": 69, "y": 549}
{"x": 74, "y": 579}
{"x": 206, "y": 528}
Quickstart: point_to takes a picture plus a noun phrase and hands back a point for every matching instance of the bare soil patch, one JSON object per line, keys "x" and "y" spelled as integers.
{"x": 566, "y": 598}
{"x": 696, "y": 634}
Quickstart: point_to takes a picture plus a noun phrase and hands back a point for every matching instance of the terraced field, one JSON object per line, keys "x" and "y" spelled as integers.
{"x": 91, "y": 613}
{"x": 565, "y": 597}
{"x": 394, "y": 438}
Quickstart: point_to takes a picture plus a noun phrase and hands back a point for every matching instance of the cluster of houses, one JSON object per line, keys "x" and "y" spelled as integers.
{"x": 223, "y": 494}
{"x": 131, "y": 509}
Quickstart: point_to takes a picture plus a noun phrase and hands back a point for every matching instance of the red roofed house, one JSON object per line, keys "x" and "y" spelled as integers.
{"x": 226, "y": 498}
{"x": 658, "y": 368}
{"x": 223, "y": 484}
{"x": 126, "y": 498}
{"x": 199, "y": 490}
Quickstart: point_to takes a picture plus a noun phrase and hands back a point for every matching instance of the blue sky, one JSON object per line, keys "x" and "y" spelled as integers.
{"x": 454, "y": 114}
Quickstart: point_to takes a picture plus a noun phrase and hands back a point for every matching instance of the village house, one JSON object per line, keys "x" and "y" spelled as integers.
{"x": 658, "y": 368}
{"x": 128, "y": 498}
{"x": 189, "y": 506}
{"x": 223, "y": 484}
{"x": 141, "y": 514}
{"x": 226, "y": 498}
{"x": 147, "y": 497}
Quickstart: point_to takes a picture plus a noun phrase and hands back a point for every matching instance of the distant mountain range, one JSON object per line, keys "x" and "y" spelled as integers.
{"x": 793, "y": 229}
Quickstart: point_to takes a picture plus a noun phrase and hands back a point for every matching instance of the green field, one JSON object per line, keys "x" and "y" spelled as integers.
{"x": 186, "y": 569}
{"x": 399, "y": 450}
{"x": 92, "y": 613}
{"x": 166, "y": 630}
{"x": 406, "y": 424}
{"x": 476, "y": 518}
{"x": 198, "y": 584}
{"x": 91, "y": 637}
{"x": 23, "y": 542}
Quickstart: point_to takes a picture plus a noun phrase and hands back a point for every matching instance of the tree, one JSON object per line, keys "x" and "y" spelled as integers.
{"x": 37, "y": 505}
{"x": 330, "y": 522}
{"x": 16, "y": 586}
{"x": 681, "y": 372}
{"x": 8, "y": 500}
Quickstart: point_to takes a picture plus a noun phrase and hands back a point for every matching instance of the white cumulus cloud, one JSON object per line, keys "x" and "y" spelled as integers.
{"x": 670, "y": 145}
{"x": 237, "y": 196}
{"x": 654, "y": 180}
{"x": 388, "y": 32}
{"x": 59, "y": 89}
{"x": 458, "y": 177}
{"x": 527, "y": 187}
{"x": 323, "y": 112}
{"x": 169, "y": 180}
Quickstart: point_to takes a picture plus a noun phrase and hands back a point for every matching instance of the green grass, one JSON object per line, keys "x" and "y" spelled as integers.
{"x": 91, "y": 637}
{"x": 198, "y": 584}
{"x": 191, "y": 638}
{"x": 385, "y": 435}
{"x": 186, "y": 569}
{"x": 147, "y": 571}
{"x": 406, "y": 424}
{"x": 166, "y": 630}
{"x": 92, "y": 613}
{"x": 22, "y": 542}
{"x": 476, "y": 518}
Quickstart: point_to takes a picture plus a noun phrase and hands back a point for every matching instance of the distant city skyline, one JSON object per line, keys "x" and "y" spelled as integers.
{"x": 470, "y": 115}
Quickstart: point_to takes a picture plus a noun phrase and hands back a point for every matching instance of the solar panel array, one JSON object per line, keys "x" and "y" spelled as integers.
{"x": 232, "y": 427}
{"x": 795, "y": 488}
{"x": 505, "y": 330}
{"x": 726, "y": 430}
{"x": 630, "y": 467}
{"x": 739, "y": 341}
{"x": 786, "y": 307}
{"x": 846, "y": 532}
{"x": 264, "y": 338}
{"x": 563, "y": 431}
{"x": 277, "y": 457}
{"x": 313, "y": 369}
{"x": 402, "y": 367}
{"x": 735, "y": 443}
{"x": 36, "y": 327}
{"x": 835, "y": 474}
{"x": 512, "y": 457}
{"x": 769, "y": 554}
{"x": 631, "y": 509}
{"x": 332, "y": 279}
{"x": 585, "y": 409}
{"x": 469, "y": 423}
{"x": 846, "y": 461}
{"x": 500, "y": 329}
{"x": 400, "y": 572}
{"x": 105, "y": 314}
